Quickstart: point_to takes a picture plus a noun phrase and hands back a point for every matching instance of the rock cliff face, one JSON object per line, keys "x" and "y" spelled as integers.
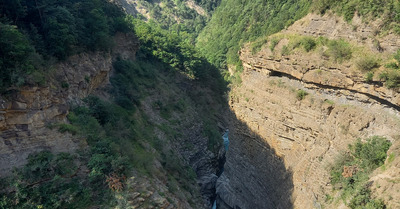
{"x": 25, "y": 115}
{"x": 282, "y": 145}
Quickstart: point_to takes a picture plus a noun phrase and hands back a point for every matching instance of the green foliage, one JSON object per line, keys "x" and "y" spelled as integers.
{"x": 285, "y": 50}
{"x": 391, "y": 78}
{"x": 47, "y": 181}
{"x": 235, "y": 22}
{"x": 257, "y": 45}
{"x": 391, "y": 75}
{"x": 367, "y": 63}
{"x": 214, "y": 137}
{"x": 15, "y": 51}
{"x": 62, "y": 28}
{"x": 362, "y": 200}
{"x": 369, "y": 77}
{"x": 273, "y": 43}
{"x": 68, "y": 128}
{"x": 308, "y": 43}
{"x": 34, "y": 31}
{"x": 388, "y": 10}
{"x": 371, "y": 154}
{"x": 364, "y": 158}
{"x": 301, "y": 94}
{"x": 177, "y": 16}
{"x": 339, "y": 50}
{"x": 170, "y": 49}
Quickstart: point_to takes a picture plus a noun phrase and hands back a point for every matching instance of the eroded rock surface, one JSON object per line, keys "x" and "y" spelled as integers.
{"x": 25, "y": 116}
{"x": 282, "y": 145}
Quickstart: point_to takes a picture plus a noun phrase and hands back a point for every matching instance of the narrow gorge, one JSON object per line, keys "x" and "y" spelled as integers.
{"x": 186, "y": 104}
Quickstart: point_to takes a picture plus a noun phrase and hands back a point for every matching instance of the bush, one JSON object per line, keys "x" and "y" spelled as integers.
{"x": 351, "y": 170}
{"x": 391, "y": 77}
{"x": 68, "y": 128}
{"x": 308, "y": 43}
{"x": 339, "y": 50}
{"x": 367, "y": 63}
{"x": 301, "y": 94}
{"x": 363, "y": 200}
{"x": 369, "y": 77}
{"x": 372, "y": 153}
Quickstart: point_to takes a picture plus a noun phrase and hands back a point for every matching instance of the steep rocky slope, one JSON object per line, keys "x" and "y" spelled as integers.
{"x": 25, "y": 116}
{"x": 175, "y": 108}
{"x": 283, "y": 144}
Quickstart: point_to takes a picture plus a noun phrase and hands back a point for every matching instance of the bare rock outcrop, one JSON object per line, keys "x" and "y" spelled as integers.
{"x": 282, "y": 145}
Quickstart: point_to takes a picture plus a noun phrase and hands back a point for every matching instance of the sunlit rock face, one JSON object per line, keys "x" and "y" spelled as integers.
{"x": 282, "y": 144}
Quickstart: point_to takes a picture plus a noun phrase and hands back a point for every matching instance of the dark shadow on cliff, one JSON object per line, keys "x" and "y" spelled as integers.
{"x": 256, "y": 175}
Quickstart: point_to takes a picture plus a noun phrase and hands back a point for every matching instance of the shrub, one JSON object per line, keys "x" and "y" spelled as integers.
{"x": 369, "y": 77}
{"x": 367, "y": 63}
{"x": 351, "y": 170}
{"x": 68, "y": 128}
{"x": 301, "y": 94}
{"x": 391, "y": 77}
{"x": 372, "y": 153}
{"x": 308, "y": 43}
{"x": 363, "y": 200}
{"x": 339, "y": 50}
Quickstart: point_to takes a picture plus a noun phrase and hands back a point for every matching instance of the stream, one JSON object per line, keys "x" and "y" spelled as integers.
{"x": 225, "y": 139}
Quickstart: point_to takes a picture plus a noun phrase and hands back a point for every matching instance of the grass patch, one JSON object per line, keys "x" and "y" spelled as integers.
{"x": 257, "y": 45}
{"x": 273, "y": 43}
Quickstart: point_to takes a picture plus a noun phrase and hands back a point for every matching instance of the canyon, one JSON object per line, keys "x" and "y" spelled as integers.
{"x": 281, "y": 146}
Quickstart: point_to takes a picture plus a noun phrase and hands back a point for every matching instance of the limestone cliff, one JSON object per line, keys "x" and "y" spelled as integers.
{"x": 282, "y": 145}
{"x": 25, "y": 115}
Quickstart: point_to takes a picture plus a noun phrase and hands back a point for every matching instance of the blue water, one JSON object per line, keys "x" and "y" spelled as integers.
{"x": 226, "y": 140}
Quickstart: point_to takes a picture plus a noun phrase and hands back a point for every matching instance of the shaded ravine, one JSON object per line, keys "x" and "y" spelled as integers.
{"x": 252, "y": 176}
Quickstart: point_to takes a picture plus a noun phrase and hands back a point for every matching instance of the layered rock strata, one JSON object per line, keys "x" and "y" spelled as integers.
{"x": 283, "y": 143}
{"x": 25, "y": 115}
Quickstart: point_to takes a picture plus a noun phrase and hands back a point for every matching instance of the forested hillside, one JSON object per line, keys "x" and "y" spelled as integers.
{"x": 121, "y": 138}
{"x": 186, "y": 17}
{"x": 35, "y": 34}
{"x": 236, "y": 22}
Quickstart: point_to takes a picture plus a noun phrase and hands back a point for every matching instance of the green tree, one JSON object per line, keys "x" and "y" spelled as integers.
{"x": 15, "y": 50}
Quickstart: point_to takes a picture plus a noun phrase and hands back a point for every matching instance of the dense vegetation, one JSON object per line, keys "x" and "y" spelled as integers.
{"x": 177, "y": 16}
{"x": 391, "y": 75}
{"x": 235, "y": 22}
{"x": 34, "y": 32}
{"x": 387, "y": 10}
{"x": 118, "y": 135}
{"x": 350, "y": 173}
